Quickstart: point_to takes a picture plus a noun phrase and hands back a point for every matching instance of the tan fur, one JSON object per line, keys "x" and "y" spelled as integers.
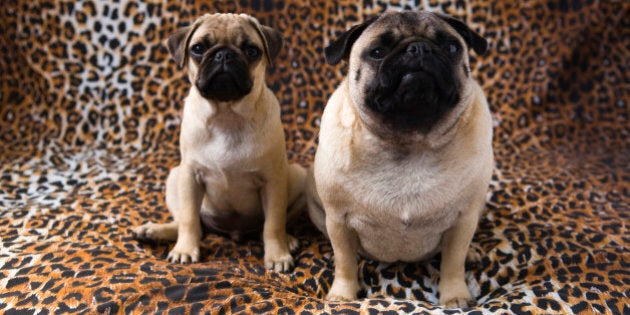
{"x": 233, "y": 161}
{"x": 370, "y": 200}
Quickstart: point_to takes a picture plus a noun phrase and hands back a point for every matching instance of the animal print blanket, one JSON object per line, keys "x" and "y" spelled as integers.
{"x": 90, "y": 106}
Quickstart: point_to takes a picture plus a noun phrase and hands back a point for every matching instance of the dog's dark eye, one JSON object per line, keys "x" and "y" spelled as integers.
{"x": 252, "y": 52}
{"x": 197, "y": 50}
{"x": 452, "y": 48}
{"x": 378, "y": 53}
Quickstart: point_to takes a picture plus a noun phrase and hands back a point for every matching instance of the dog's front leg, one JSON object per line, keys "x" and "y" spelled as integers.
{"x": 274, "y": 201}
{"x": 188, "y": 222}
{"x": 345, "y": 248}
{"x": 455, "y": 245}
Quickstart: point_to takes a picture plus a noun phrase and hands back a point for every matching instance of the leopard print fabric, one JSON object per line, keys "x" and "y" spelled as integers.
{"x": 90, "y": 106}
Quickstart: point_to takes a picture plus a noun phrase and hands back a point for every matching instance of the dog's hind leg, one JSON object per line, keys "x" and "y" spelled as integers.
{"x": 156, "y": 232}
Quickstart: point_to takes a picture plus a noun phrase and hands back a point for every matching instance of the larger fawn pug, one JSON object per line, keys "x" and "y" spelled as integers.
{"x": 405, "y": 149}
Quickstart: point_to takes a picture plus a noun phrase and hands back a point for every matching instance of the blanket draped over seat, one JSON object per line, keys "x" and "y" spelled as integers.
{"x": 90, "y": 107}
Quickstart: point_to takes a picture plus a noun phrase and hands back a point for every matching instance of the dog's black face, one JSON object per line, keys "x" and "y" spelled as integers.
{"x": 224, "y": 72}
{"x": 416, "y": 82}
{"x": 408, "y": 70}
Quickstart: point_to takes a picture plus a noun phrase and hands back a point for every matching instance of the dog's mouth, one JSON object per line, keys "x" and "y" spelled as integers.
{"x": 414, "y": 89}
{"x": 414, "y": 98}
{"x": 404, "y": 91}
{"x": 225, "y": 83}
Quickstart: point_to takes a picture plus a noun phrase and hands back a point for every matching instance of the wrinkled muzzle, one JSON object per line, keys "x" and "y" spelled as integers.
{"x": 414, "y": 88}
{"x": 224, "y": 76}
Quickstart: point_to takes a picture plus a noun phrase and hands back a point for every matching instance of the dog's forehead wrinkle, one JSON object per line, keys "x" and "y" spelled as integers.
{"x": 214, "y": 31}
{"x": 206, "y": 39}
{"x": 401, "y": 26}
{"x": 388, "y": 38}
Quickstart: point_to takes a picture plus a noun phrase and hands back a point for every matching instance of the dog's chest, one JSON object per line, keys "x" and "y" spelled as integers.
{"x": 226, "y": 150}
{"x": 222, "y": 143}
{"x": 225, "y": 161}
{"x": 414, "y": 188}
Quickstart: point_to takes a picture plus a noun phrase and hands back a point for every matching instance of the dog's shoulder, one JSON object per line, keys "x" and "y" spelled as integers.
{"x": 336, "y": 130}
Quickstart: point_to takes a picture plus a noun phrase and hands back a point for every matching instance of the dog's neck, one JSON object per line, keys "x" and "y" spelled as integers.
{"x": 246, "y": 108}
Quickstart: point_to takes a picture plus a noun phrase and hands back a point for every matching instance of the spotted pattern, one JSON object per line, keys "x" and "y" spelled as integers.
{"x": 90, "y": 107}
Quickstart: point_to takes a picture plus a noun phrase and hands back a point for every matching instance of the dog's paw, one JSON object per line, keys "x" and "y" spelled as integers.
{"x": 184, "y": 254}
{"x": 343, "y": 291}
{"x": 293, "y": 243}
{"x": 458, "y": 303}
{"x": 456, "y": 296}
{"x": 338, "y": 298}
{"x": 278, "y": 263}
{"x": 277, "y": 255}
{"x": 145, "y": 232}
{"x": 474, "y": 254}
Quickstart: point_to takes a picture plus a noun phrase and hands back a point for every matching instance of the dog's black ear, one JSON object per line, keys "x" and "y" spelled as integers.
{"x": 472, "y": 38}
{"x": 176, "y": 44}
{"x": 340, "y": 48}
{"x": 272, "y": 40}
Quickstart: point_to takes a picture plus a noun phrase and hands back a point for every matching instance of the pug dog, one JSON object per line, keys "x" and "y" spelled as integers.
{"x": 405, "y": 149}
{"x": 234, "y": 177}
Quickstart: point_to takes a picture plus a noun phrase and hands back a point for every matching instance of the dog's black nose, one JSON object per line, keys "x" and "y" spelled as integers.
{"x": 418, "y": 49}
{"x": 224, "y": 55}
